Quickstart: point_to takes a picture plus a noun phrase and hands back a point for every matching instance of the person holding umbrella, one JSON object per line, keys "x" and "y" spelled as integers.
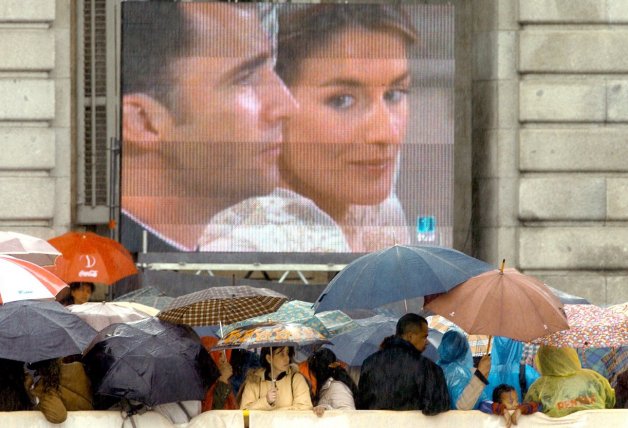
{"x": 58, "y": 388}
{"x": 277, "y": 384}
{"x": 464, "y": 385}
{"x": 13, "y": 395}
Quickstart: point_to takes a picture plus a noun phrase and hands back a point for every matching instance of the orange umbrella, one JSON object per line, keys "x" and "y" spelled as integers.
{"x": 502, "y": 302}
{"x": 87, "y": 257}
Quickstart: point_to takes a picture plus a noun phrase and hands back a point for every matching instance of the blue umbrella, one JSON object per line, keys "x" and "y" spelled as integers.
{"x": 398, "y": 273}
{"x": 354, "y": 346}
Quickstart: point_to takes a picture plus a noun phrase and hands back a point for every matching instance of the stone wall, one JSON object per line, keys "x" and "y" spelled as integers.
{"x": 550, "y": 116}
{"x": 35, "y": 118}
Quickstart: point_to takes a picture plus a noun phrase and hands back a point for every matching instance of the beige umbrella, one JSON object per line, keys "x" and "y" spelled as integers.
{"x": 102, "y": 314}
{"x": 148, "y": 310}
{"x": 502, "y": 302}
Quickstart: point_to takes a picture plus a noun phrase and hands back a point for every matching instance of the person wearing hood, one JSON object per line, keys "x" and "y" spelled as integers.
{"x": 464, "y": 383}
{"x": 398, "y": 377}
{"x": 565, "y": 387}
{"x": 507, "y": 368}
{"x": 278, "y": 384}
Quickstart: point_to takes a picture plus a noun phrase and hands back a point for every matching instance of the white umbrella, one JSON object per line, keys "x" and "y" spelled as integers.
{"x": 29, "y": 248}
{"x": 102, "y": 314}
{"x": 22, "y": 280}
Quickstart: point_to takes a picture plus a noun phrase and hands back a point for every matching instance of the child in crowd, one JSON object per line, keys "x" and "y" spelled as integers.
{"x": 506, "y": 403}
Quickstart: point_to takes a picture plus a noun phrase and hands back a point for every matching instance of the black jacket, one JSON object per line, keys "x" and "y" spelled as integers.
{"x": 398, "y": 377}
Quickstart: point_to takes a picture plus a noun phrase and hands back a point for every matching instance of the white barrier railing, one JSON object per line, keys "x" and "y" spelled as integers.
{"x": 307, "y": 419}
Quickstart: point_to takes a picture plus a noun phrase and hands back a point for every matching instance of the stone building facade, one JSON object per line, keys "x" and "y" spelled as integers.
{"x": 541, "y": 133}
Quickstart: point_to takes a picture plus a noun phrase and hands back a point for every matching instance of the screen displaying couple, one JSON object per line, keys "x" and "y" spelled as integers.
{"x": 286, "y": 128}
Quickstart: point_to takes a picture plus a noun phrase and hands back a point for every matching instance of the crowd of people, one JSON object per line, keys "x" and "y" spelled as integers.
{"x": 396, "y": 377}
{"x": 399, "y": 377}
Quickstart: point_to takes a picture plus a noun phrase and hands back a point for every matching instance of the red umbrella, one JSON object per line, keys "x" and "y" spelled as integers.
{"x": 502, "y": 302}
{"x": 87, "y": 257}
{"x": 22, "y": 280}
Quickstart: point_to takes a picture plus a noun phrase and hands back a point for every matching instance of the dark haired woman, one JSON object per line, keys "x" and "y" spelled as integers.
{"x": 277, "y": 384}
{"x": 13, "y": 395}
{"x": 80, "y": 292}
{"x": 337, "y": 389}
{"x": 60, "y": 388}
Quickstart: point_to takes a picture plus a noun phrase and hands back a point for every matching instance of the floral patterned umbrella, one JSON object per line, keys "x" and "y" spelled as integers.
{"x": 328, "y": 323}
{"x": 271, "y": 334}
{"x": 590, "y": 327}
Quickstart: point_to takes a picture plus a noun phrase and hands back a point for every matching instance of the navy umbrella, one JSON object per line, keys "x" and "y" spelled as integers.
{"x": 398, "y": 273}
{"x": 149, "y": 361}
{"x": 36, "y": 330}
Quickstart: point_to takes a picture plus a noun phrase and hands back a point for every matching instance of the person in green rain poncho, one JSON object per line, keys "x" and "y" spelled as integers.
{"x": 565, "y": 387}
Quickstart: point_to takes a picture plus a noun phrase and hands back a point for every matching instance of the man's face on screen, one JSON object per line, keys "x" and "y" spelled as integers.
{"x": 231, "y": 105}
{"x": 343, "y": 143}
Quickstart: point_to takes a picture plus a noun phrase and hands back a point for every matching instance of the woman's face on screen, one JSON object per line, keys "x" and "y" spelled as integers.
{"x": 341, "y": 146}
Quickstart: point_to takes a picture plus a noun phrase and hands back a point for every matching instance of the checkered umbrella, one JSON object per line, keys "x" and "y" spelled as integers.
{"x": 224, "y": 305}
{"x": 590, "y": 327}
{"x": 477, "y": 342}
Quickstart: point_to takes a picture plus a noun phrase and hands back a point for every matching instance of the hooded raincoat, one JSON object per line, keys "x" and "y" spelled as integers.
{"x": 565, "y": 387}
{"x": 398, "y": 377}
{"x": 457, "y": 364}
{"x": 506, "y": 368}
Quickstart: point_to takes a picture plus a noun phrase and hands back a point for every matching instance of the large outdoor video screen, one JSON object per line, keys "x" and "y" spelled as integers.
{"x": 320, "y": 128}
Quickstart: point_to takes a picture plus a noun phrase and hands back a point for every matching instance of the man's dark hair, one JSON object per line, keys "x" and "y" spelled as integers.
{"x": 153, "y": 34}
{"x": 303, "y": 29}
{"x": 499, "y": 390}
{"x": 410, "y": 323}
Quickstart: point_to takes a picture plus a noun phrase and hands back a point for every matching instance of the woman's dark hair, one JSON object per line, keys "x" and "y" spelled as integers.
{"x": 499, "y": 390}
{"x": 50, "y": 372}
{"x": 13, "y": 394}
{"x": 319, "y": 364}
{"x": 69, "y": 299}
{"x": 303, "y": 29}
{"x": 266, "y": 351}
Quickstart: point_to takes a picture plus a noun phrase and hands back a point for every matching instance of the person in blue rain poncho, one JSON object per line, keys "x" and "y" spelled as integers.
{"x": 464, "y": 383}
{"x": 506, "y": 368}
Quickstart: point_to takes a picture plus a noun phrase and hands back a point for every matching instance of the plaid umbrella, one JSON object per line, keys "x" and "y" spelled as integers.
{"x": 273, "y": 334}
{"x": 328, "y": 323}
{"x": 224, "y": 305}
{"x": 589, "y": 327}
{"x": 477, "y": 342}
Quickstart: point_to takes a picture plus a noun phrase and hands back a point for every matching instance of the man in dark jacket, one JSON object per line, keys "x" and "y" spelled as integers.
{"x": 398, "y": 377}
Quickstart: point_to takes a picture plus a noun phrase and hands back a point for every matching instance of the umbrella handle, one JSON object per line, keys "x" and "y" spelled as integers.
{"x": 488, "y": 347}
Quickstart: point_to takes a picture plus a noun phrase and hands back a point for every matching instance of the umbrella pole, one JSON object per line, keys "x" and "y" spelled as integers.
{"x": 488, "y": 347}
{"x": 224, "y": 351}
{"x": 272, "y": 374}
